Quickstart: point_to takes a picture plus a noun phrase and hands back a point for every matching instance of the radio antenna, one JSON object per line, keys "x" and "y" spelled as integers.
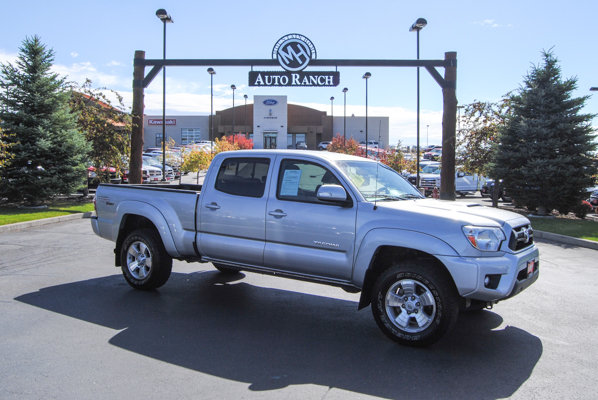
{"x": 377, "y": 163}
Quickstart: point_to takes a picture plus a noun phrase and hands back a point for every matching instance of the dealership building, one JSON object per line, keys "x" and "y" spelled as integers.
{"x": 270, "y": 121}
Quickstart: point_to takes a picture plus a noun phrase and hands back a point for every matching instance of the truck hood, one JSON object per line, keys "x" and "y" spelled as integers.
{"x": 466, "y": 213}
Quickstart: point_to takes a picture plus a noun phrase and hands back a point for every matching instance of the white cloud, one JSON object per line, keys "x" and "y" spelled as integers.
{"x": 114, "y": 64}
{"x": 78, "y": 72}
{"x": 7, "y": 57}
{"x": 74, "y": 54}
{"x": 490, "y": 23}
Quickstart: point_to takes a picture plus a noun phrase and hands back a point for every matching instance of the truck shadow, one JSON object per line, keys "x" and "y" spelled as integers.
{"x": 271, "y": 338}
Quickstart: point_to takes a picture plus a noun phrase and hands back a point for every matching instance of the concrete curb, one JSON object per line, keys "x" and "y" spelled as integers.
{"x": 41, "y": 222}
{"x": 45, "y": 221}
{"x": 590, "y": 244}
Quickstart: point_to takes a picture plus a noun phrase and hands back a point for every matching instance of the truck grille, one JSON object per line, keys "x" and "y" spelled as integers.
{"x": 521, "y": 238}
{"x": 428, "y": 182}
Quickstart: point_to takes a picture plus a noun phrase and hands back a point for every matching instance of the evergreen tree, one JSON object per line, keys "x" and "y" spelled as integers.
{"x": 49, "y": 152}
{"x": 544, "y": 151}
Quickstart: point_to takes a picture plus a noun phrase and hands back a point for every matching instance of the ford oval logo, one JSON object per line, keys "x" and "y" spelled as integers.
{"x": 270, "y": 102}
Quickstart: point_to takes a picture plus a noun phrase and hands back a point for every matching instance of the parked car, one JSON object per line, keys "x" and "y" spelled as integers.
{"x": 152, "y": 162}
{"x": 429, "y": 148}
{"x": 323, "y": 145}
{"x": 429, "y": 178}
{"x": 593, "y": 200}
{"x": 487, "y": 190}
{"x": 301, "y": 146}
{"x": 149, "y": 174}
{"x": 93, "y": 180}
{"x": 433, "y": 155}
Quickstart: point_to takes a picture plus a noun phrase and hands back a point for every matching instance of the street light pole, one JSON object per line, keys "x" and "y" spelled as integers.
{"x": 245, "y": 97}
{"x": 345, "y": 117}
{"x": 212, "y": 73}
{"x": 165, "y": 18}
{"x": 427, "y": 131}
{"x": 418, "y": 26}
{"x": 233, "y": 87}
{"x": 366, "y": 76}
{"x": 332, "y": 115}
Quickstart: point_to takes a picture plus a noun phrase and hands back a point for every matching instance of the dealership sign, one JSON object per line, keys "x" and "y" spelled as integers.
{"x": 159, "y": 121}
{"x": 294, "y": 52}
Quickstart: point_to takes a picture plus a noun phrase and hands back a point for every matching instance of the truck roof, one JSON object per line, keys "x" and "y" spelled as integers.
{"x": 326, "y": 155}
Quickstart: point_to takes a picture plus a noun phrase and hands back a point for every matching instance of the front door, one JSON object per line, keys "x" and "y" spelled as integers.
{"x": 270, "y": 140}
{"x": 303, "y": 234}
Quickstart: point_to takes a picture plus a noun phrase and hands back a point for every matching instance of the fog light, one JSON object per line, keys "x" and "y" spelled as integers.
{"x": 492, "y": 281}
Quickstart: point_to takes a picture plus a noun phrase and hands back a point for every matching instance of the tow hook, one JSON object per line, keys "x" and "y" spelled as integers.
{"x": 489, "y": 305}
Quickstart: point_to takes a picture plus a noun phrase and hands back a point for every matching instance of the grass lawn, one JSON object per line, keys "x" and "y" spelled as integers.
{"x": 578, "y": 228}
{"x": 12, "y": 215}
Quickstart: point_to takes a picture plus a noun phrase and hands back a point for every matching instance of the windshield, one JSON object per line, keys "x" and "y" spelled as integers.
{"x": 431, "y": 169}
{"x": 376, "y": 181}
{"x": 152, "y": 161}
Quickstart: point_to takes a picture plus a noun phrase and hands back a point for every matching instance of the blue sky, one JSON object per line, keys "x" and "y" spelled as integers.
{"x": 496, "y": 42}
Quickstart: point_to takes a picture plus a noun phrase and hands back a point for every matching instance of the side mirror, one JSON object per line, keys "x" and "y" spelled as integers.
{"x": 460, "y": 174}
{"x": 333, "y": 193}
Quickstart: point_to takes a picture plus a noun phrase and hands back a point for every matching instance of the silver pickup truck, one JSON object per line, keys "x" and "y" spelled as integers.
{"x": 328, "y": 218}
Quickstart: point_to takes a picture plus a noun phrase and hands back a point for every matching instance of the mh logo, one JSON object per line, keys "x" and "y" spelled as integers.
{"x": 294, "y": 52}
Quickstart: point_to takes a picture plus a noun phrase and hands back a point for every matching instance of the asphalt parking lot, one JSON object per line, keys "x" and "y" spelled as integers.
{"x": 71, "y": 328}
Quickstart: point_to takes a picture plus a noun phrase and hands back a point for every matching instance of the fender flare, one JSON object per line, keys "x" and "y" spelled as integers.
{"x": 155, "y": 216}
{"x": 377, "y": 238}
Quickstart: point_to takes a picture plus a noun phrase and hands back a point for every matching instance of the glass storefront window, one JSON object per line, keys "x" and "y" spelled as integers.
{"x": 190, "y": 135}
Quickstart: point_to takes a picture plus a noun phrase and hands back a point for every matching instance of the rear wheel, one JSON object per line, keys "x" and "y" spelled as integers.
{"x": 145, "y": 263}
{"x": 414, "y": 303}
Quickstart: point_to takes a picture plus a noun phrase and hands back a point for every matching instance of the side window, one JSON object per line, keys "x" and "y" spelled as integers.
{"x": 300, "y": 181}
{"x": 243, "y": 176}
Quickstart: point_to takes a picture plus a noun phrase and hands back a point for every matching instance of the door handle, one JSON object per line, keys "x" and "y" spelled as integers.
{"x": 213, "y": 206}
{"x": 277, "y": 213}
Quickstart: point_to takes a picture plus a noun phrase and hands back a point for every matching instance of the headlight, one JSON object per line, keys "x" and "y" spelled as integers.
{"x": 483, "y": 238}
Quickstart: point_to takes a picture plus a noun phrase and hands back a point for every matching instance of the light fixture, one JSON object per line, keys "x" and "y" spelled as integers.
{"x": 416, "y": 27}
{"x": 366, "y": 76}
{"x": 245, "y": 97}
{"x": 165, "y": 18}
{"x": 233, "y": 87}
{"x": 345, "y": 117}
{"x": 212, "y": 73}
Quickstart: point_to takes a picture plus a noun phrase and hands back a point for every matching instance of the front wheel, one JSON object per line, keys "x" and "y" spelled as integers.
{"x": 414, "y": 303}
{"x": 145, "y": 263}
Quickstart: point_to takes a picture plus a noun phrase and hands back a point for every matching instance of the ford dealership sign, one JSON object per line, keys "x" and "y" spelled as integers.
{"x": 270, "y": 102}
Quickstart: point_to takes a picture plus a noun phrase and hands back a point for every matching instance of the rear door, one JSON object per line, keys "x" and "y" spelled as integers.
{"x": 305, "y": 235}
{"x": 232, "y": 211}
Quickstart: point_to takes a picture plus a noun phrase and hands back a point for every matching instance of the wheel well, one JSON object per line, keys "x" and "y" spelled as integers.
{"x": 384, "y": 258}
{"x": 128, "y": 224}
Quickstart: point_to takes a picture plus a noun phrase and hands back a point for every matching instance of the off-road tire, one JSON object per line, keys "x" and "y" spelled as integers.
{"x": 415, "y": 302}
{"x": 138, "y": 247}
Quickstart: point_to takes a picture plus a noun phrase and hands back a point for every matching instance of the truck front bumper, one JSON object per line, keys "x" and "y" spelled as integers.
{"x": 494, "y": 278}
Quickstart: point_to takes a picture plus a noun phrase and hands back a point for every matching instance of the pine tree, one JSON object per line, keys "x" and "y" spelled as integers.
{"x": 49, "y": 152}
{"x": 544, "y": 152}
